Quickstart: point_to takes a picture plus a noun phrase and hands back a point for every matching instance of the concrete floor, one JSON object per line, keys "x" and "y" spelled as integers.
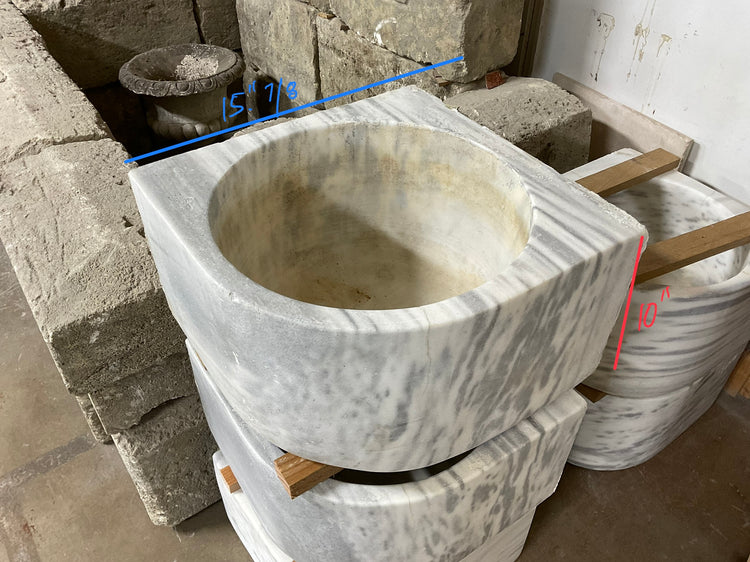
{"x": 64, "y": 497}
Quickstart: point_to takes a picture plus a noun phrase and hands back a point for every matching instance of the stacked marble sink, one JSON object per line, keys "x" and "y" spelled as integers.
{"x": 670, "y": 373}
{"x": 383, "y": 287}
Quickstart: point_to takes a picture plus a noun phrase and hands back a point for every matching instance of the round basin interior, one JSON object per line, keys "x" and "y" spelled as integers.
{"x": 370, "y": 216}
{"x": 669, "y": 209}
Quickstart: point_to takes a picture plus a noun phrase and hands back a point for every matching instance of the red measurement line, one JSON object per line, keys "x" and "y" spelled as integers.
{"x": 627, "y": 306}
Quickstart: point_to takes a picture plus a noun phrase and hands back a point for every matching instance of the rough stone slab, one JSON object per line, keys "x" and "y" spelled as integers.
{"x": 535, "y": 115}
{"x": 39, "y": 104}
{"x": 257, "y": 97}
{"x": 218, "y": 22}
{"x": 123, "y": 404}
{"x": 95, "y": 424}
{"x": 71, "y": 228}
{"x": 484, "y": 32}
{"x": 279, "y": 37}
{"x": 91, "y": 39}
{"x": 322, "y": 5}
{"x": 347, "y": 61}
{"x": 168, "y": 456}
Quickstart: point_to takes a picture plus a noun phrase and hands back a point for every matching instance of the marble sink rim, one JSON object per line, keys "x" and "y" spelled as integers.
{"x": 678, "y": 179}
{"x": 485, "y": 298}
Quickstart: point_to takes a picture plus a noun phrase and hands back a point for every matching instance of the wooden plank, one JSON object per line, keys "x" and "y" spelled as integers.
{"x": 740, "y": 377}
{"x": 299, "y": 475}
{"x": 631, "y": 172}
{"x": 668, "y": 255}
{"x": 230, "y": 480}
{"x": 592, "y": 394}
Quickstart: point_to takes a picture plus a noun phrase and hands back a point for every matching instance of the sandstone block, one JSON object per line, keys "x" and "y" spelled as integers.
{"x": 91, "y": 39}
{"x": 322, "y": 5}
{"x": 484, "y": 32}
{"x": 39, "y": 104}
{"x": 95, "y": 424}
{"x": 279, "y": 38}
{"x": 70, "y": 225}
{"x": 121, "y": 405}
{"x": 218, "y": 22}
{"x": 535, "y": 115}
{"x": 347, "y": 61}
{"x": 168, "y": 456}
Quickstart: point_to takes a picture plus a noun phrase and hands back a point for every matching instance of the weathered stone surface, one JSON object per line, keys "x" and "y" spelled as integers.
{"x": 218, "y": 22}
{"x": 91, "y": 39}
{"x": 260, "y": 98}
{"x": 279, "y": 38}
{"x": 123, "y": 404}
{"x": 484, "y": 32}
{"x": 71, "y": 228}
{"x": 39, "y": 104}
{"x": 322, "y": 5}
{"x": 95, "y": 424}
{"x": 168, "y": 456}
{"x": 535, "y": 115}
{"x": 347, "y": 61}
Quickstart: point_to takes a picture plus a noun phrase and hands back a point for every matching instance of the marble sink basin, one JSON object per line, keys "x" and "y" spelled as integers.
{"x": 702, "y": 321}
{"x": 385, "y": 285}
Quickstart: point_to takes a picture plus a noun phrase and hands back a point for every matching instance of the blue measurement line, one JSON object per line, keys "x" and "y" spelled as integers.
{"x": 288, "y": 111}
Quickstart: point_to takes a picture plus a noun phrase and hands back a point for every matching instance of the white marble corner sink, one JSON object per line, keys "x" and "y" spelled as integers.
{"x": 447, "y": 515}
{"x": 506, "y": 546}
{"x": 703, "y": 318}
{"x": 621, "y": 432}
{"x": 387, "y": 284}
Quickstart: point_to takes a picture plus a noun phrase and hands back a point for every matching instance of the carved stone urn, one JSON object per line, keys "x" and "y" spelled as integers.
{"x": 183, "y": 87}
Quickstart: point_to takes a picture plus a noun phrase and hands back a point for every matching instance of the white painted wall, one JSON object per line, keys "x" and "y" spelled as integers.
{"x": 685, "y": 63}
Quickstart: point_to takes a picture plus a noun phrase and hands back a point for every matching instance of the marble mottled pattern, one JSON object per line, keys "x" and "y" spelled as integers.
{"x": 506, "y": 546}
{"x": 390, "y": 390}
{"x": 619, "y": 432}
{"x": 245, "y": 521}
{"x": 705, "y": 320}
{"x": 444, "y": 517}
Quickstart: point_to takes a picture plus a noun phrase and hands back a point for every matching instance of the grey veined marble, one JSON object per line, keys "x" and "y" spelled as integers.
{"x": 668, "y": 374}
{"x": 444, "y": 517}
{"x": 705, "y": 319}
{"x": 619, "y": 432}
{"x": 385, "y": 285}
{"x": 506, "y": 546}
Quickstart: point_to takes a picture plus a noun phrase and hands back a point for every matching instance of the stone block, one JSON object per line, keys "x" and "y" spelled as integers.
{"x": 71, "y": 228}
{"x": 123, "y": 404}
{"x": 322, "y": 5}
{"x": 260, "y": 99}
{"x": 168, "y": 456}
{"x": 347, "y": 61}
{"x": 218, "y": 22}
{"x": 39, "y": 104}
{"x": 535, "y": 115}
{"x": 484, "y": 32}
{"x": 279, "y": 37}
{"x": 91, "y": 39}
{"x": 95, "y": 424}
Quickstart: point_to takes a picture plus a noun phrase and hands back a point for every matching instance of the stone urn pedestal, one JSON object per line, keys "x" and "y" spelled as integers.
{"x": 184, "y": 87}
